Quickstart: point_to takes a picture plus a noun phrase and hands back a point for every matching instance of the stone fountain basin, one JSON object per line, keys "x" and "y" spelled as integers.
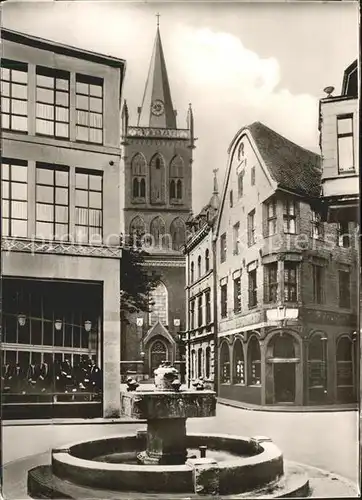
{"x": 260, "y": 463}
{"x": 144, "y": 404}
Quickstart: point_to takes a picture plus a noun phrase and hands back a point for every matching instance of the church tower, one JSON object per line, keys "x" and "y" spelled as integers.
{"x": 157, "y": 183}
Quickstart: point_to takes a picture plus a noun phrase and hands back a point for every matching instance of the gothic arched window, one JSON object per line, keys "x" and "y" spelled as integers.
{"x": 138, "y": 167}
{"x": 157, "y": 179}
{"x": 192, "y": 277}
{"x": 136, "y": 228}
{"x": 199, "y": 266}
{"x": 177, "y": 230}
{"x": 225, "y": 363}
{"x": 176, "y": 177}
{"x": 157, "y": 230}
{"x": 159, "y": 305}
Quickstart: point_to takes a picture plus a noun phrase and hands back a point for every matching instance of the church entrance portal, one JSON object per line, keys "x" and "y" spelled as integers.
{"x": 158, "y": 354}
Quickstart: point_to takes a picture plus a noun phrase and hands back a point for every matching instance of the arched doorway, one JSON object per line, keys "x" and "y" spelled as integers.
{"x": 284, "y": 368}
{"x": 158, "y": 354}
{"x": 345, "y": 368}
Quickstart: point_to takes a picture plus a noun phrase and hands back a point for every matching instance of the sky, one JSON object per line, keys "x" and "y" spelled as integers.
{"x": 235, "y": 62}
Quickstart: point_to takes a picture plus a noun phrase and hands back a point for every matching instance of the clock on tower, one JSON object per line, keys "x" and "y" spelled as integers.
{"x": 157, "y": 107}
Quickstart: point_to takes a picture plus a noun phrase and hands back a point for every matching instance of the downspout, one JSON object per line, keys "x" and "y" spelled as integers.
{"x": 215, "y": 319}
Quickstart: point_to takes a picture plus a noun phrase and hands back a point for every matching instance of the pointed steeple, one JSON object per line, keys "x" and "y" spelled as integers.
{"x": 157, "y": 109}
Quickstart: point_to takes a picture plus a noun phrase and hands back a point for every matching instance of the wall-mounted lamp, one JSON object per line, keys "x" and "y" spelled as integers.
{"x": 87, "y": 325}
{"x": 58, "y": 324}
{"x": 21, "y": 319}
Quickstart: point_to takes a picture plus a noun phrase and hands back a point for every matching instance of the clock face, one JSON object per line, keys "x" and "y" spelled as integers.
{"x": 157, "y": 107}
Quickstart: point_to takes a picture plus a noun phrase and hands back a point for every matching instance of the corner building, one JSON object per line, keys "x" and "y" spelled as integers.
{"x": 60, "y": 178}
{"x": 156, "y": 203}
{"x": 286, "y": 280}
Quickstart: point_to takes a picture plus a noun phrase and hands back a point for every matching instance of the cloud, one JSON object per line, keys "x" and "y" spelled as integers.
{"x": 231, "y": 87}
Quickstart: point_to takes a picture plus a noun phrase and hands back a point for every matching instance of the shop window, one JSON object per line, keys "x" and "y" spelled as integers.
{"x": 254, "y": 362}
{"x": 239, "y": 365}
{"x": 317, "y": 366}
{"x": 237, "y": 295}
{"x": 345, "y": 376}
{"x": 225, "y": 363}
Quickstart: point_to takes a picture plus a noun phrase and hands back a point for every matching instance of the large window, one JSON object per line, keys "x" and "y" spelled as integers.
{"x": 224, "y": 364}
{"x": 345, "y": 369}
{"x": 199, "y": 266}
{"x": 14, "y": 196}
{"x": 224, "y": 300}
{"x": 254, "y": 362}
{"x": 159, "y": 305}
{"x": 88, "y": 206}
{"x": 14, "y": 95}
{"x": 271, "y": 215}
{"x": 271, "y": 282}
{"x": 253, "y": 300}
{"x": 223, "y": 247}
{"x": 316, "y": 225}
{"x": 52, "y": 201}
{"x": 289, "y": 216}
{"x": 317, "y": 273}
{"x": 251, "y": 228}
{"x": 290, "y": 281}
{"x": 52, "y": 102}
{"x": 317, "y": 367}
{"x": 345, "y": 143}
{"x": 177, "y": 232}
{"x": 344, "y": 282}
{"x": 239, "y": 364}
{"x": 236, "y": 238}
{"x": 237, "y": 295}
{"x": 89, "y": 104}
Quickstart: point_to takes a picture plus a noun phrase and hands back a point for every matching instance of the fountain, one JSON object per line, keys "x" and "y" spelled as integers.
{"x": 164, "y": 461}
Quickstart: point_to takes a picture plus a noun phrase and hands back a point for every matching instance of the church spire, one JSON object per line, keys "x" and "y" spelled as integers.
{"x": 157, "y": 109}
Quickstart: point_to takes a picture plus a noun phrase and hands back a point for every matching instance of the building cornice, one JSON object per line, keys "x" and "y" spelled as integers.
{"x": 59, "y": 248}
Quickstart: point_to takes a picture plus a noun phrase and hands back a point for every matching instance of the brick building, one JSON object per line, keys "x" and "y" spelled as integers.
{"x": 286, "y": 280}
{"x": 60, "y": 257}
{"x": 200, "y": 293}
{"x": 156, "y": 203}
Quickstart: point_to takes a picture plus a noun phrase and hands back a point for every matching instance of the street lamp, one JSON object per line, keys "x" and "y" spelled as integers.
{"x": 21, "y": 319}
{"x": 58, "y": 324}
{"x": 139, "y": 323}
{"x": 324, "y": 344}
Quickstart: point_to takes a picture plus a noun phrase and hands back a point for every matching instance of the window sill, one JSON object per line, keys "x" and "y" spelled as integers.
{"x": 239, "y": 384}
{"x": 252, "y": 307}
{"x": 254, "y": 385}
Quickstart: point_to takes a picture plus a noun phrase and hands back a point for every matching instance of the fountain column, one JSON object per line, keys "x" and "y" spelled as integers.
{"x": 166, "y": 409}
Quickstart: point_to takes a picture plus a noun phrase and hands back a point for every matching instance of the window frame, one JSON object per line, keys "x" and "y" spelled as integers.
{"x": 251, "y": 228}
{"x": 89, "y": 81}
{"x": 54, "y": 168}
{"x": 10, "y": 199}
{"x": 11, "y": 65}
{"x": 318, "y": 283}
{"x": 271, "y": 219}
{"x": 88, "y": 190}
{"x": 237, "y": 295}
{"x": 271, "y": 284}
{"x": 289, "y": 217}
{"x": 223, "y": 248}
{"x": 223, "y": 300}
{"x": 56, "y": 75}
{"x": 290, "y": 283}
{"x": 236, "y": 238}
{"x": 252, "y": 289}
{"x": 317, "y": 226}
{"x": 344, "y": 135}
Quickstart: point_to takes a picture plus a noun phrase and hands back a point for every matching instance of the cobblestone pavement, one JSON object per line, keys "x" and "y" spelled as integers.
{"x": 326, "y": 440}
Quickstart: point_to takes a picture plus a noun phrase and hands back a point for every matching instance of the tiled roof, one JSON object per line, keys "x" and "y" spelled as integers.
{"x": 291, "y": 166}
